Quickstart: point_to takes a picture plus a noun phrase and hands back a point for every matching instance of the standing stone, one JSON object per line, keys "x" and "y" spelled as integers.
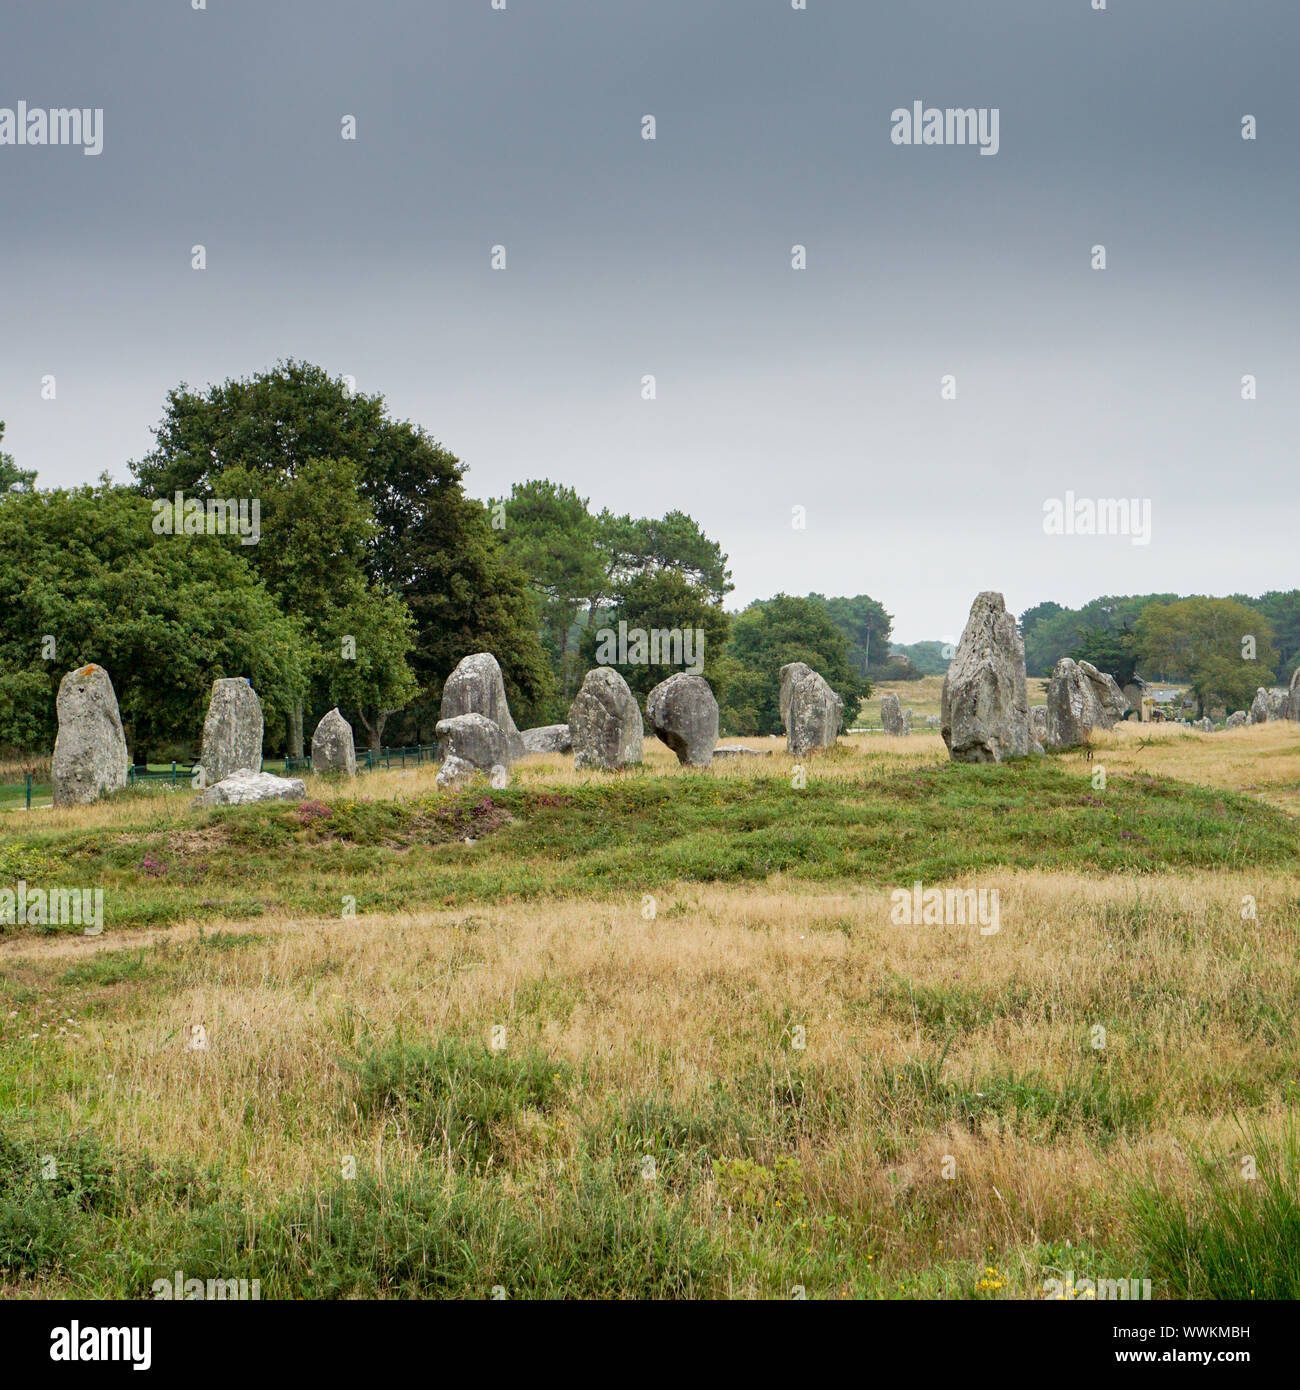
{"x": 1293, "y": 697}
{"x": 232, "y": 732}
{"x": 476, "y": 687}
{"x": 891, "y": 715}
{"x": 683, "y": 714}
{"x": 815, "y": 714}
{"x": 1277, "y": 704}
{"x": 1259, "y": 707}
{"x": 1206, "y": 725}
{"x": 605, "y": 722}
{"x": 90, "y": 757}
{"x": 1038, "y": 722}
{"x": 548, "y": 738}
{"x": 332, "y": 748}
{"x": 1080, "y": 698}
{"x": 1238, "y": 719}
{"x": 476, "y": 740}
{"x": 790, "y": 672}
{"x": 985, "y": 704}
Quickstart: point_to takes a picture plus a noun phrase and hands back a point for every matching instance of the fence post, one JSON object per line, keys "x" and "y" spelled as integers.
{"x": 29, "y": 791}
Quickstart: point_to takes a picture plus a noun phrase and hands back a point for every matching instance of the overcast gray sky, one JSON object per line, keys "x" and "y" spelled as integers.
{"x": 776, "y": 388}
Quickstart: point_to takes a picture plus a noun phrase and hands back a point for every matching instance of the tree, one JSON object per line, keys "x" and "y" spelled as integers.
{"x": 548, "y": 532}
{"x": 316, "y": 529}
{"x": 642, "y": 545}
{"x": 689, "y": 626}
{"x": 363, "y": 660}
{"x": 1202, "y": 641}
{"x": 767, "y": 635}
{"x": 1282, "y": 609}
{"x": 13, "y": 478}
{"x": 432, "y": 545}
{"x": 1113, "y": 653}
{"x": 84, "y": 577}
{"x": 866, "y": 625}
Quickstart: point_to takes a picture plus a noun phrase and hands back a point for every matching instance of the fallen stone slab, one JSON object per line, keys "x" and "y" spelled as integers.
{"x": 548, "y": 738}
{"x": 244, "y": 787}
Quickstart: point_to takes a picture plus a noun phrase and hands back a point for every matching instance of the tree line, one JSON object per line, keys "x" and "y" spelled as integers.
{"x": 374, "y": 572}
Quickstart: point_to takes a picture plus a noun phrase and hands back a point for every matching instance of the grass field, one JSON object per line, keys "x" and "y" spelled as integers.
{"x": 656, "y": 1035}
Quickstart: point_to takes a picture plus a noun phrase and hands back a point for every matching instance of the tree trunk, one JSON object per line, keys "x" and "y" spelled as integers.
{"x": 295, "y": 731}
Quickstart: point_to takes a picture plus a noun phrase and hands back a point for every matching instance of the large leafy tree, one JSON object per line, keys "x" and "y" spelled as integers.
{"x": 1114, "y": 653}
{"x": 432, "y": 545}
{"x": 663, "y": 601}
{"x": 83, "y": 573}
{"x": 635, "y": 546}
{"x": 767, "y": 635}
{"x": 1202, "y": 641}
{"x": 548, "y": 531}
{"x": 866, "y": 625}
{"x": 1282, "y": 609}
{"x": 13, "y": 478}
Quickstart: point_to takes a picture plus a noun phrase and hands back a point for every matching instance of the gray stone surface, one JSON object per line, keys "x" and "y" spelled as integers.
{"x": 891, "y": 714}
{"x": 985, "y": 704}
{"x": 1259, "y": 707}
{"x": 605, "y": 722}
{"x": 1293, "y": 696}
{"x": 455, "y": 772}
{"x": 232, "y": 731}
{"x": 90, "y": 755}
{"x": 1238, "y": 719}
{"x": 1080, "y": 698}
{"x": 332, "y": 748}
{"x": 738, "y": 750}
{"x": 477, "y": 740}
{"x": 476, "y": 687}
{"x": 790, "y": 673}
{"x": 815, "y": 714}
{"x": 683, "y": 713}
{"x": 548, "y": 738}
{"x": 244, "y": 787}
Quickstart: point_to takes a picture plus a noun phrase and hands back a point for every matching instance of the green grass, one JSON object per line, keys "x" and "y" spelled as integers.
{"x": 642, "y": 833}
{"x": 1236, "y": 1236}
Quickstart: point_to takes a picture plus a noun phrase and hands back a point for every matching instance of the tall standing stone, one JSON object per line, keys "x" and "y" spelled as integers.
{"x": 683, "y": 714}
{"x": 332, "y": 747}
{"x": 90, "y": 757}
{"x": 789, "y": 673}
{"x": 1293, "y": 696}
{"x": 476, "y": 687}
{"x": 815, "y": 714}
{"x": 1259, "y": 707}
{"x": 605, "y": 722}
{"x": 232, "y": 731}
{"x": 985, "y": 704}
{"x": 891, "y": 715}
{"x": 1080, "y": 698}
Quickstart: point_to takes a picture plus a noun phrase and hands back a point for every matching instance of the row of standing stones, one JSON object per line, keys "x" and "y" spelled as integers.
{"x": 985, "y": 717}
{"x": 91, "y": 759}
